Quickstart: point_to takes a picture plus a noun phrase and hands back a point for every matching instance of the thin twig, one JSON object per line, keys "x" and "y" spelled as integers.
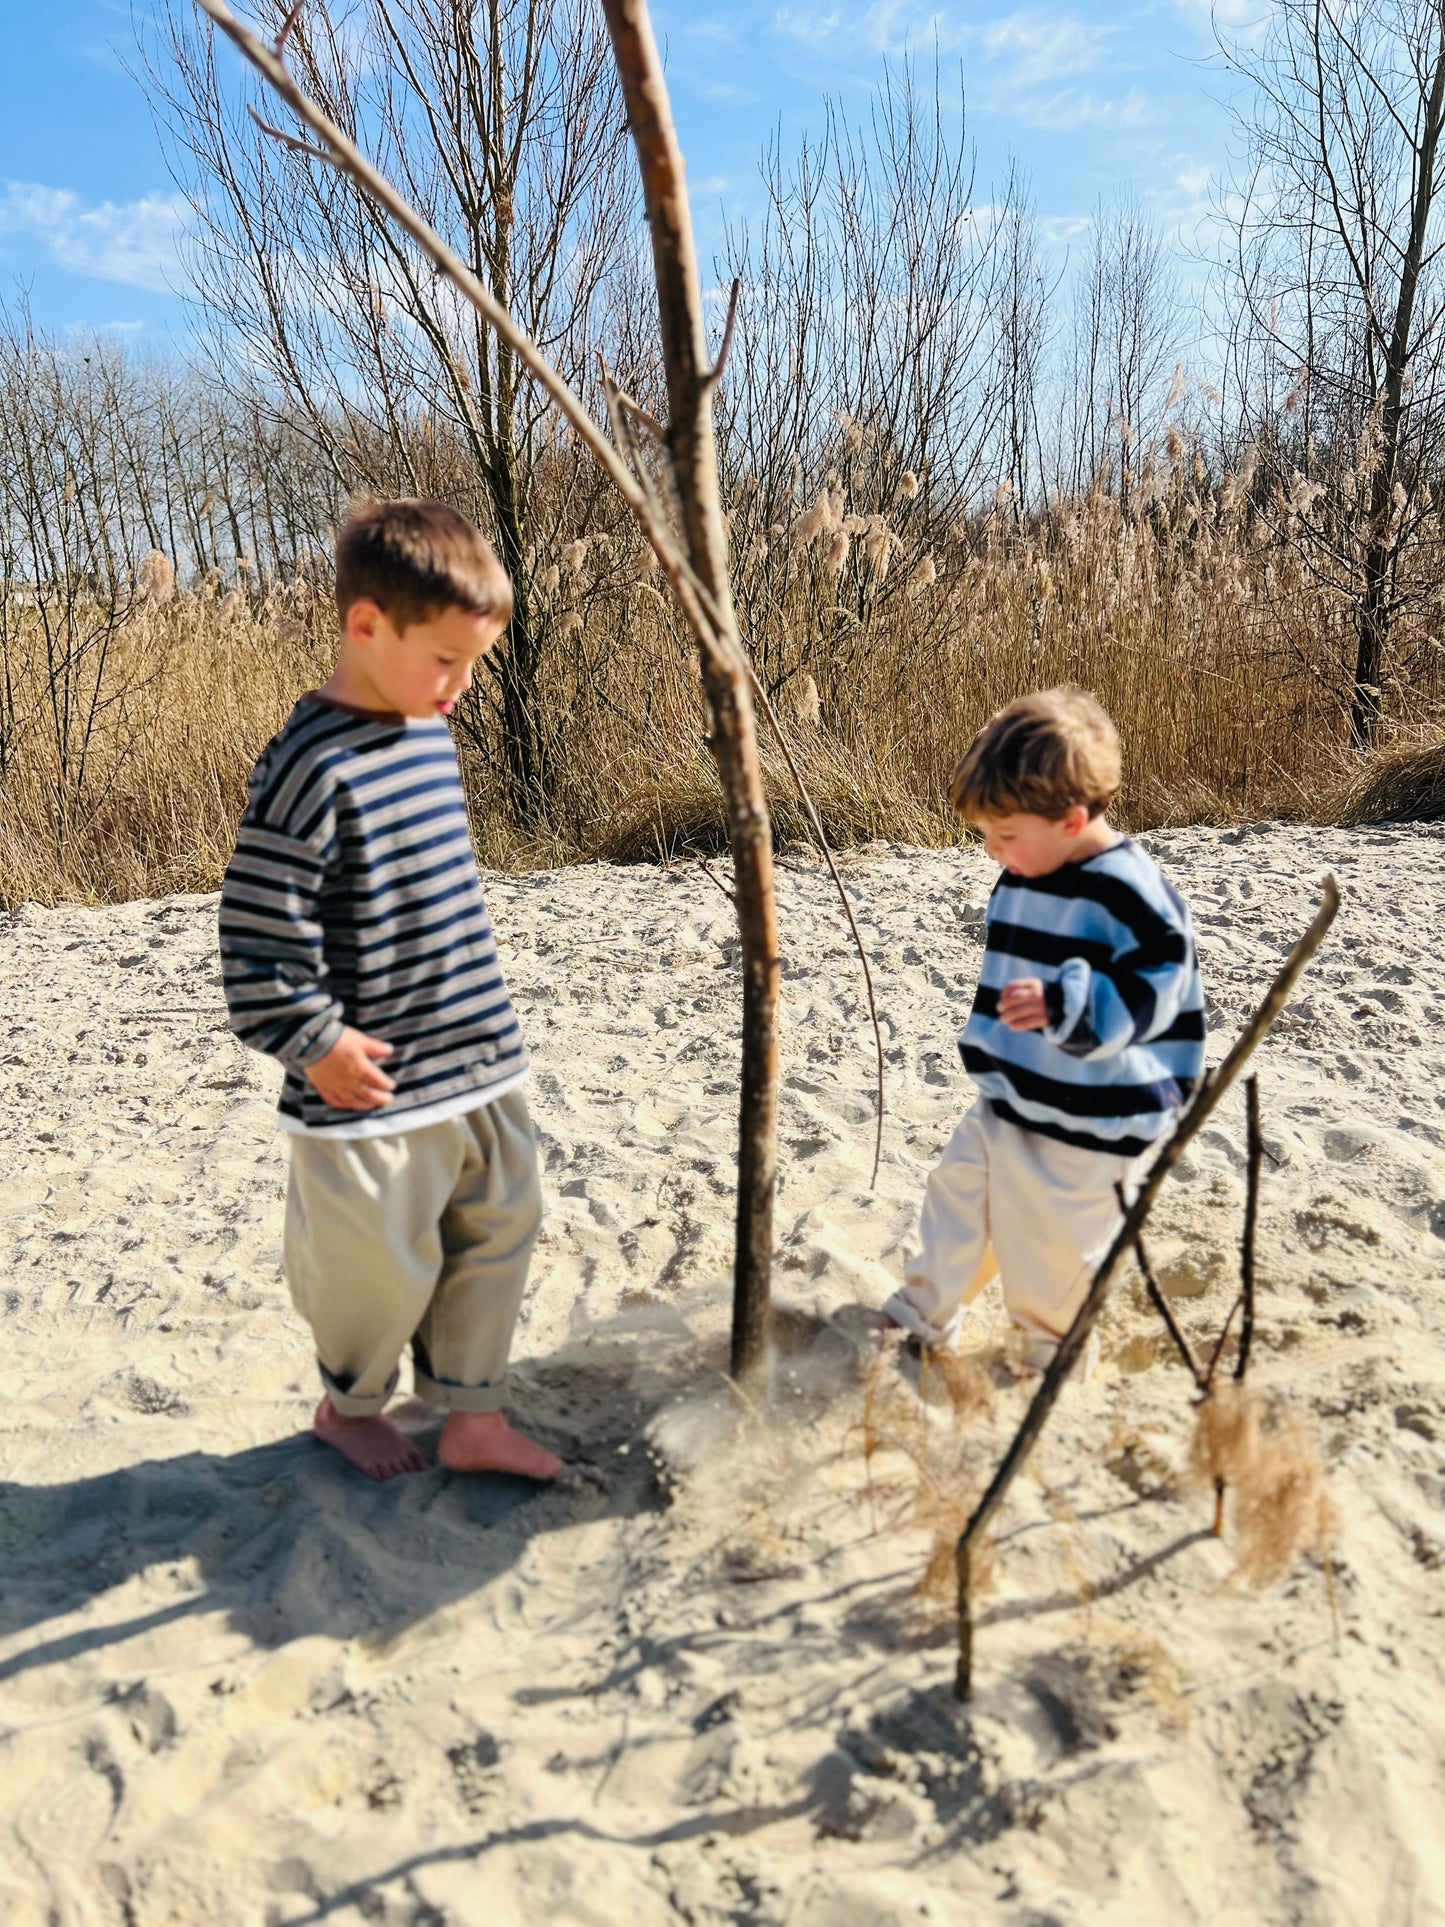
{"x": 711, "y": 874}
{"x": 1076, "y": 1337}
{"x": 286, "y": 25}
{"x": 1219, "y": 1345}
{"x": 714, "y": 375}
{"x": 766, "y": 704}
{"x": 640, "y": 414}
{"x": 1254, "y": 1141}
{"x": 1161, "y": 1303}
{"x": 296, "y": 145}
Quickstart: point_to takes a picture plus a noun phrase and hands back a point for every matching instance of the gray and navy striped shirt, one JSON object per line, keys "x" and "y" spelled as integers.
{"x": 1113, "y": 943}
{"x": 353, "y": 898}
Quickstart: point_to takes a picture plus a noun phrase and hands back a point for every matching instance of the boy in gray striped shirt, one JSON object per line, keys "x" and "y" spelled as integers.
{"x": 356, "y": 948}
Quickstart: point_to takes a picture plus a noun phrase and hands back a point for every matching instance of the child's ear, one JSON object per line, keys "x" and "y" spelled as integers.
{"x": 1076, "y": 820}
{"x": 362, "y": 619}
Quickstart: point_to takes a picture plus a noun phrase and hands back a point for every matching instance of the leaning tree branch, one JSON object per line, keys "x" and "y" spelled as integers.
{"x": 692, "y": 452}
{"x": 342, "y": 154}
{"x": 1076, "y": 1337}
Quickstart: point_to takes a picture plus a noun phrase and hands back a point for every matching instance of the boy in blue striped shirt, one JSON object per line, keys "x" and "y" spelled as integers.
{"x": 356, "y": 948}
{"x": 1085, "y": 1039}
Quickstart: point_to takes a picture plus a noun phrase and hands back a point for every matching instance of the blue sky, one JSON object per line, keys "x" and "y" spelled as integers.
{"x": 1087, "y": 98}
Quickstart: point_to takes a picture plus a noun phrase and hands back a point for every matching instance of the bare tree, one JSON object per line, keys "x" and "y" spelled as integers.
{"x": 860, "y": 418}
{"x": 1022, "y": 332}
{"x": 1126, "y": 338}
{"x": 1338, "y": 343}
{"x": 502, "y": 124}
{"x": 68, "y": 524}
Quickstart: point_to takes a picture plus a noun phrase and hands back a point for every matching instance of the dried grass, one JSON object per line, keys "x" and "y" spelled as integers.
{"x": 1219, "y": 657}
{"x": 945, "y": 1453}
{"x": 1271, "y": 1470}
{"x": 1403, "y": 784}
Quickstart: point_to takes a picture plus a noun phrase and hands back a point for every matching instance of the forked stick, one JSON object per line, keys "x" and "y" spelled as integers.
{"x": 1075, "y": 1338}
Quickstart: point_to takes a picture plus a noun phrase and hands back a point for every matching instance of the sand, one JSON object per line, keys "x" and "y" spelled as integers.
{"x": 697, "y": 1682}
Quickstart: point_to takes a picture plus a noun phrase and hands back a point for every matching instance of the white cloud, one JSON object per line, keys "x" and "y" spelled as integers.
{"x": 1067, "y": 111}
{"x": 1194, "y": 179}
{"x": 1041, "y": 49}
{"x": 132, "y": 242}
{"x": 1240, "y": 19}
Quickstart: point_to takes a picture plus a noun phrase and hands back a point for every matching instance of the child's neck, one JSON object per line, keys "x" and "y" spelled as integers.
{"x": 1098, "y": 834}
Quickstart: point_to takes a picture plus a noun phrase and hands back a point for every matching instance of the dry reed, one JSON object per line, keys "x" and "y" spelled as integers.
{"x": 1185, "y": 621}
{"x": 1274, "y": 1475}
{"x": 936, "y": 1431}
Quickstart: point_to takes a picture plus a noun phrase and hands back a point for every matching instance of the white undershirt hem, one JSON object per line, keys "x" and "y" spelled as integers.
{"x": 379, "y": 1124}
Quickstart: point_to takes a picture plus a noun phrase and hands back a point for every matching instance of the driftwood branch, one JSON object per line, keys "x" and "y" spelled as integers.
{"x": 343, "y": 154}
{"x": 1219, "y": 1345}
{"x": 1076, "y": 1337}
{"x": 692, "y": 453}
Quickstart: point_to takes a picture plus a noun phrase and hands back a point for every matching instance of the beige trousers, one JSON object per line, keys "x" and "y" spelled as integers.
{"x": 1039, "y": 1212}
{"x": 423, "y": 1238}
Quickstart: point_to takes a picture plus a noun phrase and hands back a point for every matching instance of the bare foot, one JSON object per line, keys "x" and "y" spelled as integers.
{"x": 484, "y": 1442}
{"x": 372, "y": 1445}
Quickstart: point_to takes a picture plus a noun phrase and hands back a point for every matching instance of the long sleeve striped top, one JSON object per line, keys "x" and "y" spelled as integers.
{"x": 353, "y": 898}
{"x": 1113, "y": 943}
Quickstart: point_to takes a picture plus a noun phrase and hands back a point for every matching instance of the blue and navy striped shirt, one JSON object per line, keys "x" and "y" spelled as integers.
{"x": 353, "y": 898}
{"x": 1113, "y": 943}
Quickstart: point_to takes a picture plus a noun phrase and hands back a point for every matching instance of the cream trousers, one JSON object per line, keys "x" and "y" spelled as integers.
{"x": 423, "y": 1238}
{"x": 1038, "y": 1212}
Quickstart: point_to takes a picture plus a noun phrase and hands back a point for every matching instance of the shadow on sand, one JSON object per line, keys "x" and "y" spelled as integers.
{"x": 287, "y": 1541}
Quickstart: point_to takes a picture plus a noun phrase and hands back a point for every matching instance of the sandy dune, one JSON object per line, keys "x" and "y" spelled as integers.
{"x": 237, "y": 1685}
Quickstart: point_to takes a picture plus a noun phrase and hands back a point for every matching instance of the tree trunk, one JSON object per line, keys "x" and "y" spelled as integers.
{"x": 734, "y": 737}
{"x": 1372, "y": 631}
{"x": 519, "y": 662}
{"x": 1374, "y": 616}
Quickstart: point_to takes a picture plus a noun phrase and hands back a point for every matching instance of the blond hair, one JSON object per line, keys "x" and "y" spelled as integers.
{"x": 415, "y": 560}
{"x": 1041, "y": 756}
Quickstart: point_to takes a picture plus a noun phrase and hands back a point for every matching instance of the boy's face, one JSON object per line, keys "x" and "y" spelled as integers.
{"x": 422, "y": 670}
{"x": 1032, "y": 846}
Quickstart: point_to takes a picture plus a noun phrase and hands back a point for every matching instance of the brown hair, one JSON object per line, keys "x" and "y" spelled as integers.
{"x": 1041, "y": 755}
{"x": 416, "y": 559}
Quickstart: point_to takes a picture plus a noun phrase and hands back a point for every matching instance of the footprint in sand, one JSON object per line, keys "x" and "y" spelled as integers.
{"x": 68, "y": 1816}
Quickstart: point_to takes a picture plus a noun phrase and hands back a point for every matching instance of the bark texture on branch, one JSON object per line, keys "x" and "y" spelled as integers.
{"x": 691, "y": 448}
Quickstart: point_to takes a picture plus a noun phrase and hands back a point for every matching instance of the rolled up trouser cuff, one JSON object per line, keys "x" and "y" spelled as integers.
{"x": 458, "y": 1398}
{"x": 356, "y": 1404}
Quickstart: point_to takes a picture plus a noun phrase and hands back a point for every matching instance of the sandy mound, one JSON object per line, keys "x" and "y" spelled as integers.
{"x": 699, "y": 1683}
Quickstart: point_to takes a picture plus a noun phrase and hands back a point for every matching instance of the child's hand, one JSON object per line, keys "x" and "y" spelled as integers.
{"x": 348, "y": 1077}
{"x": 1021, "y": 1004}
